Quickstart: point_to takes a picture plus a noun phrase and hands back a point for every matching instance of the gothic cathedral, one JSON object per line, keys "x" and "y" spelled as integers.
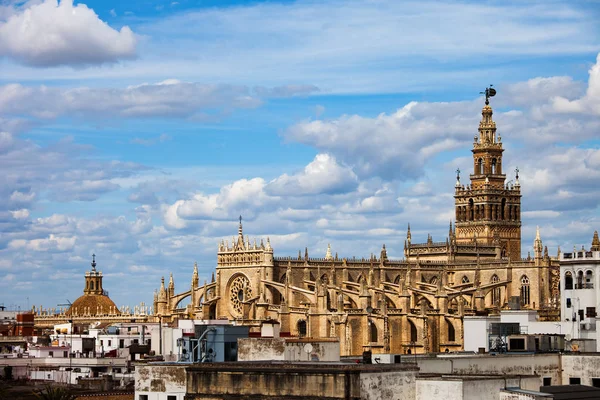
{"x": 416, "y": 304}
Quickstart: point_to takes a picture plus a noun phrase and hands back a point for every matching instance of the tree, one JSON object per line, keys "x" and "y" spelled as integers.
{"x": 55, "y": 393}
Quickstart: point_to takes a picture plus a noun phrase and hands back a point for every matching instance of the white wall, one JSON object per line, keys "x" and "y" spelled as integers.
{"x": 428, "y": 389}
{"x": 160, "y": 381}
{"x": 584, "y": 366}
{"x": 476, "y": 332}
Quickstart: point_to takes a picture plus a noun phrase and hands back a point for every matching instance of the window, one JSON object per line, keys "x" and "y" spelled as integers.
{"x": 495, "y": 291}
{"x": 301, "y": 328}
{"x": 568, "y": 303}
{"x": 596, "y": 382}
{"x": 101, "y": 342}
{"x": 480, "y": 166}
{"x": 589, "y": 281}
{"x": 574, "y": 381}
{"x": 121, "y": 343}
{"x": 525, "y": 292}
{"x": 143, "y": 397}
{"x": 590, "y": 312}
{"x": 451, "y": 332}
{"x": 51, "y": 353}
{"x": 568, "y": 280}
{"x": 109, "y": 342}
{"x": 493, "y": 165}
{"x": 465, "y": 279}
{"x": 373, "y": 331}
{"x": 580, "y": 312}
{"x": 579, "y": 280}
{"x": 65, "y": 354}
{"x": 547, "y": 381}
{"x": 413, "y": 332}
{"x": 169, "y": 397}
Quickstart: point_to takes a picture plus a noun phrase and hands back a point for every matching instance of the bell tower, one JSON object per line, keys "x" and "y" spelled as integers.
{"x": 488, "y": 209}
{"x": 93, "y": 279}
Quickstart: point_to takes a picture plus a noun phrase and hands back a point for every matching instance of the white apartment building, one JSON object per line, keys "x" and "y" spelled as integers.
{"x": 580, "y": 285}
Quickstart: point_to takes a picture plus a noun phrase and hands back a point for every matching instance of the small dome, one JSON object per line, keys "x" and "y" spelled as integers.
{"x": 95, "y": 304}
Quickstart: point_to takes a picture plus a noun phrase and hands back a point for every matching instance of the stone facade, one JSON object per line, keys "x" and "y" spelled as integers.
{"x": 388, "y": 306}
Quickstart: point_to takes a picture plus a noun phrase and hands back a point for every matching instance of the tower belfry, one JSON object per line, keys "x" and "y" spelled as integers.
{"x": 489, "y": 209}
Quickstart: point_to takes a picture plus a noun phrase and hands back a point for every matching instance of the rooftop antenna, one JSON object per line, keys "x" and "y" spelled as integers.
{"x": 489, "y": 92}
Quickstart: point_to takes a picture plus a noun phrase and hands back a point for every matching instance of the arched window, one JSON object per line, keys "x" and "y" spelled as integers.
{"x": 451, "y": 332}
{"x": 502, "y": 207}
{"x": 465, "y": 279}
{"x": 433, "y": 280}
{"x": 373, "y": 332}
{"x": 413, "y": 331}
{"x": 495, "y": 291}
{"x": 525, "y": 291}
{"x": 91, "y": 285}
{"x": 471, "y": 210}
{"x": 493, "y": 166}
{"x": 568, "y": 280}
{"x": 301, "y": 328}
{"x": 579, "y": 280}
{"x": 589, "y": 281}
{"x": 480, "y": 166}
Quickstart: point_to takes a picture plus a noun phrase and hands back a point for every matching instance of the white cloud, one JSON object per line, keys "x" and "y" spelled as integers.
{"x": 170, "y": 98}
{"x": 393, "y": 146}
{"x": 322, "y": 175}
{"x": 20, "y": 214}
{"x": 53, "y": 34}
{"x": 51, "y": 243}
{"x": 589, "y": 103}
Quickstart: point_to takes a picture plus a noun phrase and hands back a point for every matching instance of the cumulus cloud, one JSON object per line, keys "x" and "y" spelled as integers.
{"x": 393, "y": 146}
{"x": 56, "y": 33}
{"x": 589, "y": 103}
{"x": 322, "y": 175}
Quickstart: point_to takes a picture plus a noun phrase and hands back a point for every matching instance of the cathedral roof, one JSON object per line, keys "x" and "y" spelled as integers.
{"x": 93, "y": 304}
{"x": 95, "y": 300}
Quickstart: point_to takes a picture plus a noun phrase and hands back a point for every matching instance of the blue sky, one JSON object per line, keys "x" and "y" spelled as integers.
{"x": 140, "y": 130}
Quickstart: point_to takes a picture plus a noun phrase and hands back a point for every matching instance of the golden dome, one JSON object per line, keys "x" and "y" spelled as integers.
{"x": 94, "y": 305}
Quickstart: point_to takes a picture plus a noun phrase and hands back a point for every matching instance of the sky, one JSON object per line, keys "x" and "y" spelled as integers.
{"x": 140, "y": 131}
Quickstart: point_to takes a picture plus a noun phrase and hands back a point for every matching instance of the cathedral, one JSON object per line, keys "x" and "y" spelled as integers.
{"x": 413, "y": 305}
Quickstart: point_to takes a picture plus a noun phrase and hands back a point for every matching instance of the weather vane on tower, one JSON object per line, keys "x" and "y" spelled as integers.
{"x": 489, "y": 92}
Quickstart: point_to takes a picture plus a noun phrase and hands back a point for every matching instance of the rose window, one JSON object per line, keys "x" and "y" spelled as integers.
{"x": 239, "y": 291}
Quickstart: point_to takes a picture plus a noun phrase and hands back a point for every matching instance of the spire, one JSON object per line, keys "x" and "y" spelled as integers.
{"x": 240, "y": 240}
{"x": 538, "y": 248}
{"x": 328, "y": 256}
{"x": 487, "y": 126}
{"x": 383, "y": 256}
{"x": 162, "y": 293}
{"x": 268, "y": 248}
{"x": 195, "y": 275}
{"x": 517, "y": 177}
{"x": 306, "y": 253}
{"x": 595, "y": 242}
{"x": 93, "y": 263}
{"x": 408, "y": 236}
{"x": 457, "y": 177}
